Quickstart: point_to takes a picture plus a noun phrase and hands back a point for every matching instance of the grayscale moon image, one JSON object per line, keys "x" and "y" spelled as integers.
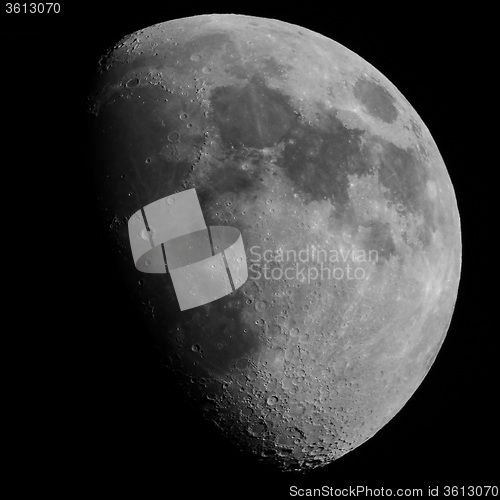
{"x": 346, "y": 212}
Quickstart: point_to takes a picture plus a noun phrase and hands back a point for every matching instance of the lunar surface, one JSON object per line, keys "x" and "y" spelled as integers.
{"x": 345, "y": 207}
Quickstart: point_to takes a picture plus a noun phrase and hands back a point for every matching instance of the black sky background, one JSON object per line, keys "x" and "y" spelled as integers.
{"x": 91, "y": 408}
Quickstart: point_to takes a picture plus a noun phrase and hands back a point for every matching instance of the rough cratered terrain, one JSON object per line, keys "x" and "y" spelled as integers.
{"x": 301, "y": 145}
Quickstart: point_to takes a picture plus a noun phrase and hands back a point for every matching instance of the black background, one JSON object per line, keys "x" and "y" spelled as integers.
{"x": 89, "y": 405}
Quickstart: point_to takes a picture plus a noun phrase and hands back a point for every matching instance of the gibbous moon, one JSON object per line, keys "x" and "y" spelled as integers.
{"x": 346, "y": 212}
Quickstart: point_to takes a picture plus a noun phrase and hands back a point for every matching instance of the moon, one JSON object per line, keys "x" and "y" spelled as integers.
{"x": 347, "y": 213}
